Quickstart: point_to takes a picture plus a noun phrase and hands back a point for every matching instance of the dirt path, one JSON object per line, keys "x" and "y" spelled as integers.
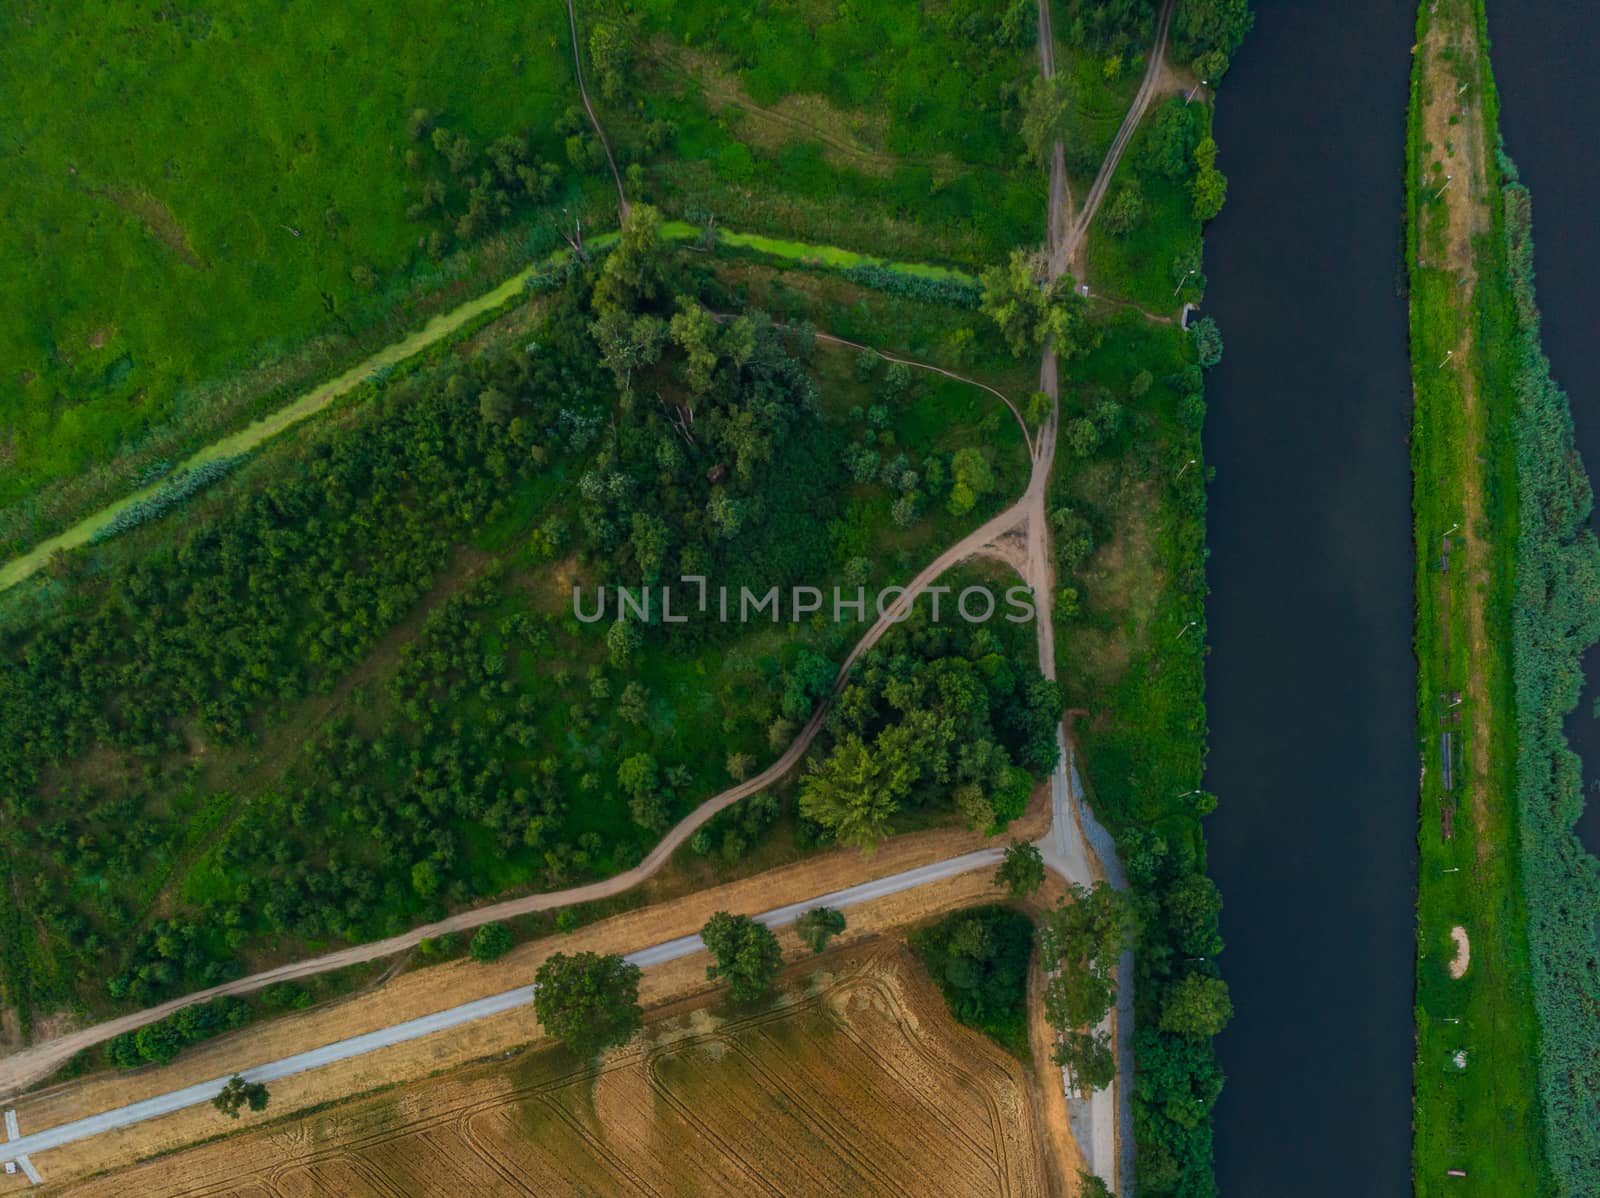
{"x": 583, "y": 91}
{"x": 1070, "y": 247}
{"x": 1027, "y": 439}
{"x": 1060, "y": 215}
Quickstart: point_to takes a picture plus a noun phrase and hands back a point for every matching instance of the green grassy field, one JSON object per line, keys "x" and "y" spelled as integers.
{"x": 885, "y": 128}
{"x": 1484, "y": 1116}
{"x": 390, "y": 712}
{"x": 1134, "y": 592}
{"x": 147, "y": 229}
{"x": 417, "y": 343}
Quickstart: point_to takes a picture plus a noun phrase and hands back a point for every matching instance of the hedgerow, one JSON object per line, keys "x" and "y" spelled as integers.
{"x": 919, "y": 287}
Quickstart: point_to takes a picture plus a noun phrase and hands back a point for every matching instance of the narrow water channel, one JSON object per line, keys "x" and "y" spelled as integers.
{"x": 1311, "y": 681}
{"x": 1544, "y": 54}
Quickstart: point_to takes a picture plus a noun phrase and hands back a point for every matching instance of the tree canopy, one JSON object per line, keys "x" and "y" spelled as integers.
{"x": 237, "y": 1093}
{"x": 1083, "y": 939}
{"x": 817, "y": 926}
{"x": 1031, "y": 314}
{"x": 491, "y": 942}
{"x": 747, "y": 955}
{"x": 1022, "y": 870}
{"x": 979, "y": 959}
{"x": 1197, "y": 1006}
{"x": 589, "y": 1002}
{"x": 934, "y": 712}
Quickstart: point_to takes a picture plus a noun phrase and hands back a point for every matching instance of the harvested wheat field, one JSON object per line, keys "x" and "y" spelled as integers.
{"x": 855, "y": 1082}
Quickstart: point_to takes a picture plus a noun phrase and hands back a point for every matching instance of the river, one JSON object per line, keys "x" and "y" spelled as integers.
{"x": 1550, "y": 118}
{"x": 1311, "y": 682}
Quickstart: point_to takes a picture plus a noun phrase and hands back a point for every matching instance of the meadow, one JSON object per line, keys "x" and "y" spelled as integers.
{"x": 878, "y": 127}
{"x": 244, "y": 215}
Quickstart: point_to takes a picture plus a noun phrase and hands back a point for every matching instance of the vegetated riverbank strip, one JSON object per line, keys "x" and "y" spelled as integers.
{"x": 1506, "y": 585}
{"x": 921, "y": 280}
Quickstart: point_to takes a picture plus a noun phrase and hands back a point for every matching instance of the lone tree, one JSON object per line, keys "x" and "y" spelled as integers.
{"x": 490, "y": 942}
{"x": 237, "y": 1093}
{"x": 1022, "y": 871}
{"x": 747, "y": 954}
{"x": 588, "y": 1001}
{"x": 818, "y": 926}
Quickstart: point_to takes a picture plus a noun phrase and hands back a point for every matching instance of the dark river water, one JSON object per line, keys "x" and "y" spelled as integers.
{"x": 1311, "y": 681}
{"x": 1544, "y": 54}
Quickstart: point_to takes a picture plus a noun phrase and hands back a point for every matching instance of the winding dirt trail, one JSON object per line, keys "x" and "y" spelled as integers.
{"x": 39, "y": 1060}
{"x": 1027, "y": 438}
{"x": 1060, "y": 215}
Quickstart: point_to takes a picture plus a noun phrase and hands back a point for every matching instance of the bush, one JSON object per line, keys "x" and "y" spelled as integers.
{"x": 819, "y": 925}
{"x": 491, "y": 942}
{"x": 746, "y": 952}
{"x": 979, "y": 961}
{"x": 1207, "y": 341}
{"x": 960, "y": 292}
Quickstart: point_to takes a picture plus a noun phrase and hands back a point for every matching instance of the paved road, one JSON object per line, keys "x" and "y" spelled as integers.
{"x": 439, "y": 1021}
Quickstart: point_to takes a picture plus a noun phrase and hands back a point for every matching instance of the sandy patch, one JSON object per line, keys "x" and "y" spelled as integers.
{"x": 1463, "y": 957}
